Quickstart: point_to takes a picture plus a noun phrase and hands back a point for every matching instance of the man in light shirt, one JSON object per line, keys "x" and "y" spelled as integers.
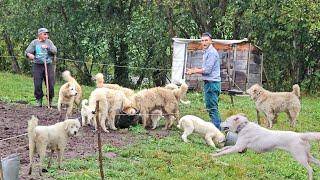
{"x": 210, "y": 72}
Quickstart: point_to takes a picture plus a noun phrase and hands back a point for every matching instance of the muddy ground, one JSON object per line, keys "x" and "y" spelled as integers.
{"x": 14, "y": 120}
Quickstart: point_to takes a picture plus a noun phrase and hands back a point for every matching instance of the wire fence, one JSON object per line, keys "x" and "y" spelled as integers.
{"x": 104, "y": 64}
{"x": 77, "y": 61}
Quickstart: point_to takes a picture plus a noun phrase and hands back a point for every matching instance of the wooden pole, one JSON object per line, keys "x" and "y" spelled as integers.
{"x": 230, "y": 85}
{"x": 47, "y": 81}
{"x": 99, "y": 141}
{"x": 1, "y": 171}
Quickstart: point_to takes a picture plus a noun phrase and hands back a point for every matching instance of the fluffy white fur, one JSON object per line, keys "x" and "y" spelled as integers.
{"x": 99, "y": 94}
{"x": 155, "y": 117}
{"x": 53, "y": 137}
{"x": 272, "y": 103}
{"x": 259, "y": 139}
{"x": 159, "y": 98}
{"x": 85, "y": 111}
{"x": 211, "y": 134}
{"x": 99, "y": 79}
{"x": 173, "y": 86}
{"x": 112, "y": 102}
{"x": 69, "y": 93}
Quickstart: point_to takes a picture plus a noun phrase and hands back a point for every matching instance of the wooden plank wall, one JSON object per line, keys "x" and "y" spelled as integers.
{"x": 242, "y": 74}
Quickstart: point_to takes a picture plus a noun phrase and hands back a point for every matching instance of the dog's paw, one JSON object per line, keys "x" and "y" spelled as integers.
{"x": 243, "y": 151}
{"x": 218, "y": 150}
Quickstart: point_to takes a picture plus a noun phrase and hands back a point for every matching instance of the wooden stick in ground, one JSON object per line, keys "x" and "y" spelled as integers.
{"x": 47, "y": 81}
{"x": 99, "y": 140}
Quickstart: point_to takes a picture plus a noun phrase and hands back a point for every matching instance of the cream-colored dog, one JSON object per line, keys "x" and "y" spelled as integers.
{"x": 159, "y": 98}
{"x": 259, "y": 139}
{"x": 173, "y": 86}
{"x": 272, "y": 103}
{"x": 155, "y": 117}
{"x": 190, "y": 123}
{"x": 112, "y": 102}
{"x": 99, "y": 79}
{"x": 69, "y": 93}
{"x": 85, "y": 111}
{"x": 53, "y": 137}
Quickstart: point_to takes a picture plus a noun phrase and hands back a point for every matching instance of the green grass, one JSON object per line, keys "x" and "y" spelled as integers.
{"x": 169, "y": 157}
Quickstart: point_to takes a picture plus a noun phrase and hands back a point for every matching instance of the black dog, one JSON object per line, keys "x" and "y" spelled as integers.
{"x": 125, "y": 121}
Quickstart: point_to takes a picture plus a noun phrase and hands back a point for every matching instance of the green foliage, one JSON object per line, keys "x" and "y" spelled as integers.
{"x": 124, "y": 36}
{"x": 285, "y": 31}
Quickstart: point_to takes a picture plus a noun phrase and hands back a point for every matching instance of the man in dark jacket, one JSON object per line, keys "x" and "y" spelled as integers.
{"x": 42, "y": 50}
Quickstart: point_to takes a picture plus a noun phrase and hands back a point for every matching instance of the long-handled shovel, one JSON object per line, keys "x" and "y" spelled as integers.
{"x": 47, "y": 81}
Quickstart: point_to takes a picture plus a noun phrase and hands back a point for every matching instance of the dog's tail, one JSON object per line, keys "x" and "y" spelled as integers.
{"x": 181, "y": 92}
{"x": 84, "y": 102}
{"x": 99, "y": 80}
{"x": 310, "y": 136}
{"x": 296, "y": 90}
{"x": 32, "y": 123}
{"x": 66, "y": 75}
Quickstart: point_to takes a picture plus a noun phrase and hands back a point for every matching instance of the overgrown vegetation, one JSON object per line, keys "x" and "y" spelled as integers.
{"x": 169, "y": 157}
{"x": 119, "y": 38}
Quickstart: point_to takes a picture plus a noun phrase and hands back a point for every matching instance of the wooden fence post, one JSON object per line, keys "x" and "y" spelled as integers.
{"x": 99, "y": 141}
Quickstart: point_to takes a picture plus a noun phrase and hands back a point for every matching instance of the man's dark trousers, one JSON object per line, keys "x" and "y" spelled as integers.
{"x": 38, "y": 71}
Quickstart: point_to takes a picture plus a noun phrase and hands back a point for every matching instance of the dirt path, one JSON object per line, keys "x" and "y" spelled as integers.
{"x": 14, "y": 120}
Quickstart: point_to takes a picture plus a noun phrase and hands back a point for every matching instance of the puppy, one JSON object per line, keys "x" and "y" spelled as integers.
{"x": 259, "y": 139}
{"x": 190, "y": 123}
{"x": 155, "y": 117}
{"x": 53, "y": 137}
{"x": 85, "y": 111}
{"x": 272, "y": 103}
{"x": 69, "y": 93}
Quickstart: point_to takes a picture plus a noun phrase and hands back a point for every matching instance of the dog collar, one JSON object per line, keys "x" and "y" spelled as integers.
{"x": 241, "y": 126}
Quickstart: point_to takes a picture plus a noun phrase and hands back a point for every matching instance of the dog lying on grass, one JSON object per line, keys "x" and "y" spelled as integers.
{"x": 190, "y": 124}
{"x": 53, "y": 137}
{"x": 259, "y": 139}
{"x": 272, "y": 103}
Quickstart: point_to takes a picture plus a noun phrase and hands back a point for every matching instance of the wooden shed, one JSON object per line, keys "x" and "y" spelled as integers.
{"x": 241, "y": 63}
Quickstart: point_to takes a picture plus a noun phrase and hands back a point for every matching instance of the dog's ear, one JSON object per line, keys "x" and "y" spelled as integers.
{"x": 68, "y": 85}
{"x": 66, "y": 126}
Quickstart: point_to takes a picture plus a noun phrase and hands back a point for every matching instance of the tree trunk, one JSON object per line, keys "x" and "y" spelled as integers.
{"x": 14, "y": 62}
{"x": 121, "y": 72}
